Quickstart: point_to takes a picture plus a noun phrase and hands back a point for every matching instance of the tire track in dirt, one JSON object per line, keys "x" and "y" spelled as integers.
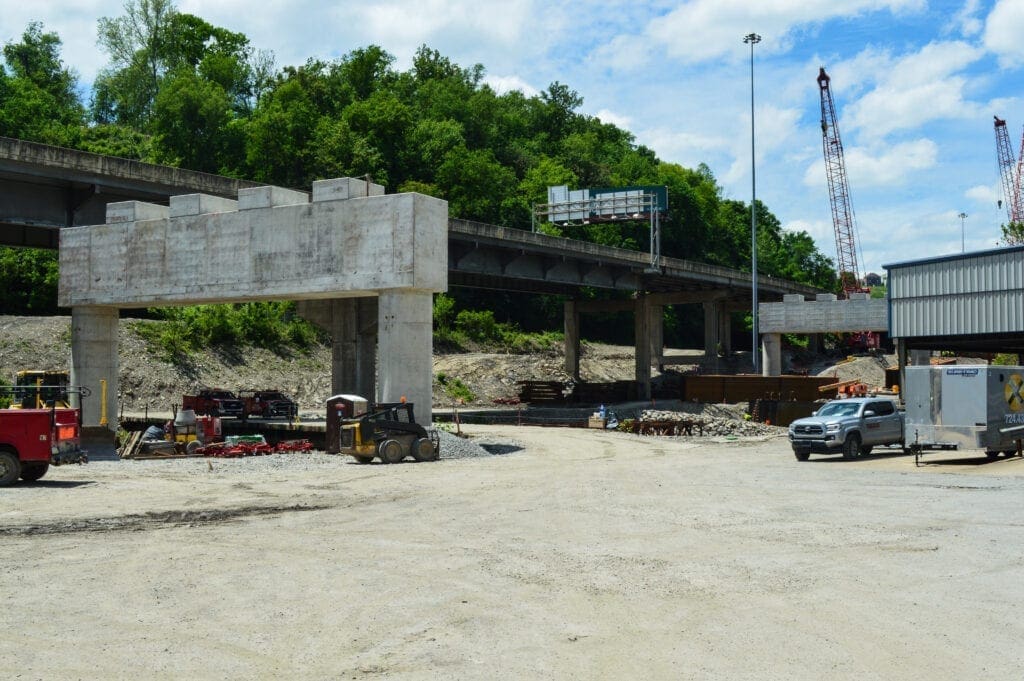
{"x": 153, "y": 520}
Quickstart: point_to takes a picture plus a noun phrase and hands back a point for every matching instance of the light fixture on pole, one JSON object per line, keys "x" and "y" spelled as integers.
{"x": 753, "y": 39}
{"x": 962, "y": 216}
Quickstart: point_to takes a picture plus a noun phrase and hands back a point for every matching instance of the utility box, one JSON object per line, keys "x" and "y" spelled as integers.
{"x": 972, "y": 406}
{"x": 340, "y": 407}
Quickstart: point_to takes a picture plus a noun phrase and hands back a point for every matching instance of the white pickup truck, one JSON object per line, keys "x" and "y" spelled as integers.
{"x": 850, "y": 427}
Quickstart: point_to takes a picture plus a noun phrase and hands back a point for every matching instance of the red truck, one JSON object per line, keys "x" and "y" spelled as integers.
{"x": 214, "y": 402}
{"x": 268, "y": 404}
{"x": 33, "y": 439}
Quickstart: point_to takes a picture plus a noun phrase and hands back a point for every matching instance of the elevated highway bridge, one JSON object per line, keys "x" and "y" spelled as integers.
{"x": 44, "y": 189}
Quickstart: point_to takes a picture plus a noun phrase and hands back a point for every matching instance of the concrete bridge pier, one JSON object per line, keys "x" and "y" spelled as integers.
{"x": 94, "y": 359}
{"x": 656, "y": 330}
{"x": 718, "y": 332}
{"x": 353, "y": 327}
{"x": 642, "y": 345}
{"x": 712, "y": 336}
{"x": 571, "y": 342}
{"x": 405, "y": 345}
{"x": 771, "y": 354}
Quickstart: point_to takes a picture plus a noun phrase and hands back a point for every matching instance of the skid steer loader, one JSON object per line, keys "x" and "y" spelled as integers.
{"x": 387, "y": 431}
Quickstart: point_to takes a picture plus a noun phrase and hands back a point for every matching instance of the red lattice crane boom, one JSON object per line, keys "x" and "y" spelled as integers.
{"x": 839, "y": 190}
{"x": 1009, "y": 172}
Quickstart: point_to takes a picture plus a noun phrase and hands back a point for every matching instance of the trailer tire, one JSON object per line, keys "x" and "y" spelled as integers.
{"x": 865, "y": 450}
{"x": 10, "y": 467}
{"x": 363, "y": 459}
{"x": 31, "y": 472}
{"x": 851, "y": 447}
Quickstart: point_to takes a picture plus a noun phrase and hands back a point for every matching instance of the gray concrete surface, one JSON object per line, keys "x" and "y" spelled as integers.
{"x": 352, "y": 241}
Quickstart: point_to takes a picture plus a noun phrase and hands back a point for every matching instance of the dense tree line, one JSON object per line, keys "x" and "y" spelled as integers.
{"x": 180, "y": 91}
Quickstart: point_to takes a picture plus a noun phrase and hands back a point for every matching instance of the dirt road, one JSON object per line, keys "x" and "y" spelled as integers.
{"x": 581, "y": 555}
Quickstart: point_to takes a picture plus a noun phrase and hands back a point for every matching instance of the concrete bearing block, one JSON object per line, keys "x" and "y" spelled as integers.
{"x": 133, "y": 211}
{"x": 200, "y": 204}
{"x": 342, "y": 188}
{"x": 268, "y": 197}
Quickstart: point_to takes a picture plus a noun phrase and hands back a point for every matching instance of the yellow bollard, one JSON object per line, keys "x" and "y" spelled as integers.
{"x": 103, "y": 401}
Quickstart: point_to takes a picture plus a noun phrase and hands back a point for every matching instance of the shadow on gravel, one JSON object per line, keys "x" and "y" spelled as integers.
{"x": 972, "y": 461}
{"x": 870, "y": 457}
{"x": 50, "y": 484}
{"x": 501, "y": 449}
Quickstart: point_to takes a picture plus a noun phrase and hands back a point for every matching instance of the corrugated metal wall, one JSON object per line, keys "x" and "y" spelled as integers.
{"x": 972, "y": 294}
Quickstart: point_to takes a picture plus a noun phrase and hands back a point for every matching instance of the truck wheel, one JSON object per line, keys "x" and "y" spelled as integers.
{"x": 423, "y": 450}
{"x": 364, "y": 459}
{"x": 10, "y": 468}
{"x": 801, "y": 456}
{"x": 31, "y": 472}
{"x": 851, "y": 448}
{"x": 391, "y": 451}
{"x": 865, "y": 450}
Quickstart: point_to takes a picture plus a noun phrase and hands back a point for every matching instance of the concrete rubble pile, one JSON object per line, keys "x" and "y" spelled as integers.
{"x": 711, "y": 426}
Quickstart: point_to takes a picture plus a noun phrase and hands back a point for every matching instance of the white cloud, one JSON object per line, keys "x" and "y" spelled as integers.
{"x": 618, "y": 120}
{"x": 966, "y": 20}
{"x": 821, "y": 231}
{"x": 688, "y": 149}
{"x": 985, "y": 194}
{"x": 623, "y": 53}
{"x": 703, "y": 30}
{"x": 503, "y": 84}
{"x": 910, "y": 91}
{"x": 1004, "y": 27}
{"x": 891, "y": 165}
{"x": 775, "y": 129}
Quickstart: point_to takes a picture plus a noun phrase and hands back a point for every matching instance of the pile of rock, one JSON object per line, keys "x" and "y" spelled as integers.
{"x": 705, "y": 424}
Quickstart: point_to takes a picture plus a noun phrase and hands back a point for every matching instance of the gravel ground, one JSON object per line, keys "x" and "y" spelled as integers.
{"x": 584, "y": 554}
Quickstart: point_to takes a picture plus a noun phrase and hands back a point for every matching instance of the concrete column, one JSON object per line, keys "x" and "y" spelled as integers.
{"x": 814, "y": 342}
{"x": 572, "y": 338}
{"x": 920, "y": 358}
{"x": 344, "y": 358}
{"x": 656, "y": 328}
{"x": 642, "y": 345}
{"x": 901, "y": 361}
{"x": 94, "y": 358}
{"x": 405, "y": 346}
{"x": 366, "y": 346}
{"x": 725, "y": 329}
{"x": 711, "y": 333}
{"x": 352, "y": 323}
{"x": 771, "y": 356}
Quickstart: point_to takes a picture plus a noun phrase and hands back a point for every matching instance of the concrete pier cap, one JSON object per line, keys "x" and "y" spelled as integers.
{"x": 351, "y": 240}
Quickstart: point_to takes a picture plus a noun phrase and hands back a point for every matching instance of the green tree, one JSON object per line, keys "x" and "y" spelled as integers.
{"x": 190, "y": 123}
{"x": 139, "y": 45}
{"x": 28, "y": 281}
{"x": 1013, "y": 233}
{"x": 38, "y": 93}
{"x": 279, "y": 135}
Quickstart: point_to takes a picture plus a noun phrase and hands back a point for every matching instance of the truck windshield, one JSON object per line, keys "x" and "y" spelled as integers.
{"x": 839, "y": 409}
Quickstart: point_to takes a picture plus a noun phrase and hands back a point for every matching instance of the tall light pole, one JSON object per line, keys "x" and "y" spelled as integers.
{"x": 753, "y": 39}
{"x": 962, "y": 216}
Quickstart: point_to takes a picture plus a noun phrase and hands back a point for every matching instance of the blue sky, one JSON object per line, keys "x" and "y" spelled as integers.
{"x": 916, "y": 84}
